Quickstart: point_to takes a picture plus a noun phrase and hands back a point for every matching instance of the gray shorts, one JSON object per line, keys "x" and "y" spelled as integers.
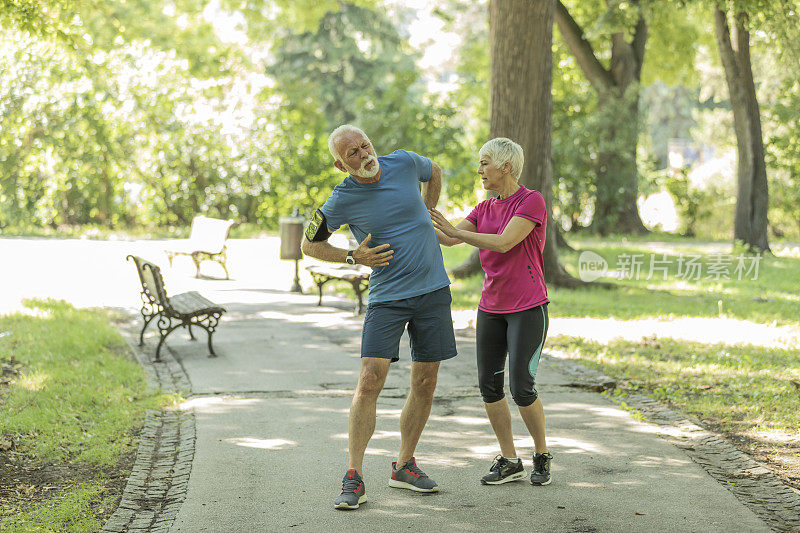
{"x": 430, "y": 327}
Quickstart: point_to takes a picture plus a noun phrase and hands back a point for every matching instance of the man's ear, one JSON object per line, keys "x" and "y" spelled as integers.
{"x": 338, "y": 164}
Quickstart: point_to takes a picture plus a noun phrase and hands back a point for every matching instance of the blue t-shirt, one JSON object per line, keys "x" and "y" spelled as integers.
{"x": 392, "y": 210}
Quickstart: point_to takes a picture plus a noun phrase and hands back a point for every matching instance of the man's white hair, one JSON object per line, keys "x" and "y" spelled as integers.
{"x": 338, "y": 132}
{"x": 502, "y": 150}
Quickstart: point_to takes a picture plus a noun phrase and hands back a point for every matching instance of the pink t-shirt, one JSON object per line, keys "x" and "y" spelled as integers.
{"x": 514, "y": 280}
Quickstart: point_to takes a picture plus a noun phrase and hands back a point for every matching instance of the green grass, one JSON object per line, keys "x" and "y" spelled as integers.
{"x": 774, "y": 295}
{"x": 738, "y": 389}
{"x": 73, "y": 510}
{"x": 74, "y": 398}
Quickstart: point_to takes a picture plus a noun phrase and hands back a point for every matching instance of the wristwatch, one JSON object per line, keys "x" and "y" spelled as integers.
{"x": 350, "y": 259}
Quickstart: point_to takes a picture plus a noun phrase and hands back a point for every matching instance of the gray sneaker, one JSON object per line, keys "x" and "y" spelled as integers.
{"x": 503, "y": 471}
{"x": 353, "y": 492}
{"x": 541, "y": 469}
{"x": 409, "y": 476}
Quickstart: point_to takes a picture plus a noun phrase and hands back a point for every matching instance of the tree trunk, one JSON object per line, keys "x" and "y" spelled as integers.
{"x": 616, "y": 209}
{"x": 521, "y": 36}
{"x": 617, "y": 188}
{"x": 470, "y": 266}
{"x": 561, "y": 242}
{"x": 752, "y": 197}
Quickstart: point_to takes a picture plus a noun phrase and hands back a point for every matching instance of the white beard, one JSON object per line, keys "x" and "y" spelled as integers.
{"x": 364, "y": 173}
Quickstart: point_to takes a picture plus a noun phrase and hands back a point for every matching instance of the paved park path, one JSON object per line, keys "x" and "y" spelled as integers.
{"x": 266, "y": 421}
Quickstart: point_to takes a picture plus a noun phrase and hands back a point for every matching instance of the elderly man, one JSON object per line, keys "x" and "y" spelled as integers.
{"x": 380, "y": 201}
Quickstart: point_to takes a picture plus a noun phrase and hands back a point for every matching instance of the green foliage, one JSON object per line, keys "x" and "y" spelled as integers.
{"x": 470, "y": 98}
{"x": 354, "y": 68}
{"x": 155, "y": 119}
{"x": 675, "y": 34}
{"x": 117, "y": 138}
{"x": 179, "y": 27}
{"x": 39, "y": 17}
{"x": 597, "y": 157}
{"x": 574, "y": 140}
{"x": 693, "y": 204}
{"x": 264, "y": 17}
{"x": 783, "y": 155}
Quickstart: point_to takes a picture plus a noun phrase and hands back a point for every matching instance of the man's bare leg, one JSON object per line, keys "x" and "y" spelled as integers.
{"x": 417, "y": 408}
{"x": 362, "y": 410}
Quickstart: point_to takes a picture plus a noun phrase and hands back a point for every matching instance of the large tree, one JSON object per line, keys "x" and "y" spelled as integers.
{"x": 752, "y": 198}
{"x": 521, "y": 104}
{"x": 617, "y": 88}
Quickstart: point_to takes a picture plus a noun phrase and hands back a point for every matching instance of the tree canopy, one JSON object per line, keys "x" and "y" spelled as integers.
{"x": 148, "y": 112}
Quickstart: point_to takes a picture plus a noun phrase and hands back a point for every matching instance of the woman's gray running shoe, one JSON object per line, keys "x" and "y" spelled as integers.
{"x": 541, "y": 469}
{"x": 503, "y": 471}
{"x": 353, "y": 492}
{"x": 409, "y": 476}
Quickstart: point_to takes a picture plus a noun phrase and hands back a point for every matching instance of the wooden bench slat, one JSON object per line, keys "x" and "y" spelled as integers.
{"x": 192, "y": 303}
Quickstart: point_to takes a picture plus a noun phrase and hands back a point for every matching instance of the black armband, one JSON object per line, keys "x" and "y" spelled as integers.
{"x": 317, "y": 229}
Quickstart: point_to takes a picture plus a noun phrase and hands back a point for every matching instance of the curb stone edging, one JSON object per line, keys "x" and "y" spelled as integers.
{"x": 751, "y": 482}
{"x": 159, "y": 480}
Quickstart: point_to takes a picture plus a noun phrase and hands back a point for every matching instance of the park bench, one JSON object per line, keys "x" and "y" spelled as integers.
{"x": 181, "y": 310}
{"x": 206, "y": 242}
{"x": 357, "y": 276}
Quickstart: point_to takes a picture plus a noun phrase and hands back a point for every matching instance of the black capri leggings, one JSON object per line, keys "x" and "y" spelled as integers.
{"x": 521, "y": 335}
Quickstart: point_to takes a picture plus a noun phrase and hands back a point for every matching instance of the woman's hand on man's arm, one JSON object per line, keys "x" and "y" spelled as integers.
{"x": 446, "y": 232}
{"x": 516, "y": 230}
{"x": 444, "y": 240}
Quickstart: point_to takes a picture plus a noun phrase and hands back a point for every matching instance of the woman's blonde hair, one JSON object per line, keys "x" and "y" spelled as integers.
{"x": 503, "y": 150}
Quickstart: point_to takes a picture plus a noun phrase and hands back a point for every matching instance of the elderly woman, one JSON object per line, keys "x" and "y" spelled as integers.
{"x": 509, "y": 230}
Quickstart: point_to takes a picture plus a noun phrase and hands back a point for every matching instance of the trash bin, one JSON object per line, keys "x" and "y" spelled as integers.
{"x": 291, "y": 233}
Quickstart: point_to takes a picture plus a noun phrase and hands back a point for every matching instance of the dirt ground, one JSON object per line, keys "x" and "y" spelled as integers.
{"x": 26, "y": 481}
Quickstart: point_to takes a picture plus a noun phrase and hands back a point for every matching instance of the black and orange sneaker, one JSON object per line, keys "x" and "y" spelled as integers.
{"x": 504, "y": 470}
{"x": 353, "y": 493}
{"x": 541, "y": 469}
{"x": 409, "y": 476}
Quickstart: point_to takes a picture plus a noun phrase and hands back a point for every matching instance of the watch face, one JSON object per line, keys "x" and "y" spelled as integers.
{"x": 350, "y": 260}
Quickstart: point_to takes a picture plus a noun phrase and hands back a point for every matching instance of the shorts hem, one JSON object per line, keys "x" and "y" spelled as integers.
{"x": 382, "y": 356}
{"x": 433, "y": 359}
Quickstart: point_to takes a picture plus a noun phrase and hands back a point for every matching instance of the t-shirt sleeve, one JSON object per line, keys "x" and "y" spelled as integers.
{"x": 334, "y": 218}
{"x": 422, "y": 166}
{"x": 475, "y": 214}
{"x": 532, "y": 207}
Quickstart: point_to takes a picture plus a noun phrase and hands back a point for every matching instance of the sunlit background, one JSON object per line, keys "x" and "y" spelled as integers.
{"x": 142, "y": 114}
